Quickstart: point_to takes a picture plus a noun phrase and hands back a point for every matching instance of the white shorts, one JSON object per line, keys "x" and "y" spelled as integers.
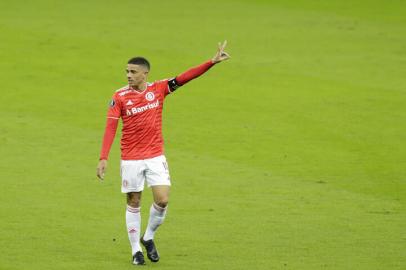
{"x": 134, "y": 173}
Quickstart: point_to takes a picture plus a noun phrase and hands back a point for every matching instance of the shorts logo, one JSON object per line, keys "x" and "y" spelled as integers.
{"x": 149, "y": 96}
{"x": 125, "y": 183}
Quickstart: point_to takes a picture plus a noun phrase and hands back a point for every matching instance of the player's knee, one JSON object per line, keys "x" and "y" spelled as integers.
{"x": 133, "y": 200}
{"x": 133, "y": 203}
{"x": 162, "y": 202}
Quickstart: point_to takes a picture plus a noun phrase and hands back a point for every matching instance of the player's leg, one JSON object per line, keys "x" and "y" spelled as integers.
{"x": 161, "y": 195}
{"x": 133, "y": 222}
{"x": 133, "y": 184}
{"x": 157, "y": 176}
{"x": 157, "y": 215}
{"x": 157, "y": 210}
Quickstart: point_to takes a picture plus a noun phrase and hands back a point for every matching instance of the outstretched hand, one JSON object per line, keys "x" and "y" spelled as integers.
{"x": 221, "y": 55}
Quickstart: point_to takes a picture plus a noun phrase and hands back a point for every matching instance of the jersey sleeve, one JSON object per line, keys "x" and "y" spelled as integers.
{"x": 170, "y": 85}
{"x": 193, "y": 73}
{"x": 113, "y": 114}
{"x": 163, "y": 87}
{"x": 114, "y": 110}
{"x": 108, "y": 138}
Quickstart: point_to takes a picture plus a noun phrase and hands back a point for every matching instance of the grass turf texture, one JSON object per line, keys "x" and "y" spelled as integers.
{"x": 289, "y": 156}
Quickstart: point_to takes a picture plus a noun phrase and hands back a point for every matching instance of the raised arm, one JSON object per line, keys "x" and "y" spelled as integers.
{"x": 195, "y": 72}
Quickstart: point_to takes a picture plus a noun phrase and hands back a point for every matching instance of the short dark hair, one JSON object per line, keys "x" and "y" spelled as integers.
{"x": 139, "y": 61}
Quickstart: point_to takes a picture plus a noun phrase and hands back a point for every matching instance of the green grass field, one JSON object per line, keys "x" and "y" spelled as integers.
{"x": 292, "y": 155}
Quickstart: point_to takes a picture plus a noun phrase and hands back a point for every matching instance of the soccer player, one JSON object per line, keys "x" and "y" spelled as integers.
{"x": 139, "y": 105}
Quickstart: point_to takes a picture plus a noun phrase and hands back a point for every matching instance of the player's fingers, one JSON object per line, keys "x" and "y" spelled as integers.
{"x": 224, "y": 44}
{"x": 222, "y": 47}
{"x": 100, "y": 173}
{"x": 225, "y": 55}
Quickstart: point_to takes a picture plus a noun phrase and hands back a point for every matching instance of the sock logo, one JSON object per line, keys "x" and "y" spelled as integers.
{"x": 132, "y": 230}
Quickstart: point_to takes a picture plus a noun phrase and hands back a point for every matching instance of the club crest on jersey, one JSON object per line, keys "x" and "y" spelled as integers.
{"x": 149, "y": 96}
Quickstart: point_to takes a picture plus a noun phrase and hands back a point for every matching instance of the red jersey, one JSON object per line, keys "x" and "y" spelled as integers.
{"x": 141, "y": 113}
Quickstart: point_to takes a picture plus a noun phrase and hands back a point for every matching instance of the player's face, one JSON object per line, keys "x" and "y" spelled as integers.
{"x": 136, "y": 75}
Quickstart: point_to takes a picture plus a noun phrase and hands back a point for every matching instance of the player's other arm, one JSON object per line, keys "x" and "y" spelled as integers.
{"x": 108, "y": 138}
{"x": 195, "y": 72}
